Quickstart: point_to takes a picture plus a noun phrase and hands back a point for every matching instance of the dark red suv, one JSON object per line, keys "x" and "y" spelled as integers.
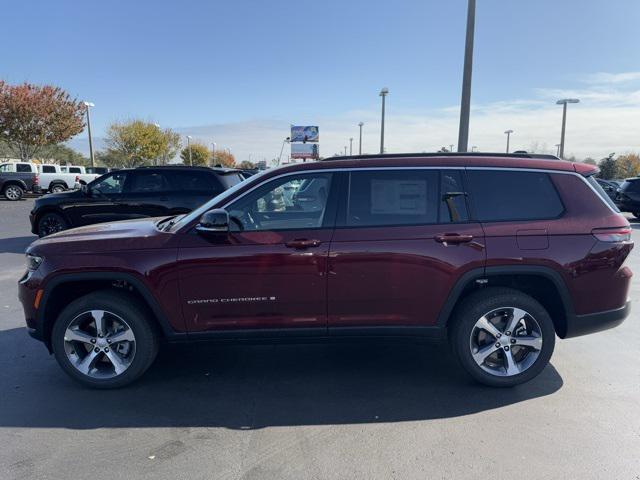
{"x": 496, "y": 253}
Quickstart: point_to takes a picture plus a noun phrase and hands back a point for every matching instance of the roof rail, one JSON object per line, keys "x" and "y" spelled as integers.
{"x": 443, "y": 154}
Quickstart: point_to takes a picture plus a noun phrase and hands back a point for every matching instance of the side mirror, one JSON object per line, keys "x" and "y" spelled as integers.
{"x": 214, "y": 221}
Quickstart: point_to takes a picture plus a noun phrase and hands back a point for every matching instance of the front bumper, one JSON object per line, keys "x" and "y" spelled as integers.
{"x": 578, "y": 325}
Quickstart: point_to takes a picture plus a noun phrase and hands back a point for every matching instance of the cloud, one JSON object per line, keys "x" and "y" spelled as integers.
{"x": 606, "y": 120}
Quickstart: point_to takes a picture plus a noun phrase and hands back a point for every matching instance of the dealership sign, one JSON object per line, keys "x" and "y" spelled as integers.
{"x": 304, "y": 134}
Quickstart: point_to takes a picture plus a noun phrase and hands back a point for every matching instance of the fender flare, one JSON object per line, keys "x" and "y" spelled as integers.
{"x": 486, "y": 273}
{"x": 15, "y": 181}
{"x": 43, "y": 323}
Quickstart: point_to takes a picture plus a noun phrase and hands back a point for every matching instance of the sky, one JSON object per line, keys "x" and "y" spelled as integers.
{"x": 240, "y": 72}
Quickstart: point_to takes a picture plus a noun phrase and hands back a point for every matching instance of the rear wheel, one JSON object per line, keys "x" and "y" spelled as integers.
{"x": 51, "y": 223}
{"x": 57, "y": 188}
{"x": 502, "y": 337}
{"x": 104, "y": 340}
{"x": 13, "y": 192}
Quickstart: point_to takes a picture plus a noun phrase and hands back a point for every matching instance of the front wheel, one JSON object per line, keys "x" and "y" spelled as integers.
{"x": 51, "y": 223}
{"x": 502, "y": 337}
{"x": 104, "y": 340}
{"x": 13, "y": 193}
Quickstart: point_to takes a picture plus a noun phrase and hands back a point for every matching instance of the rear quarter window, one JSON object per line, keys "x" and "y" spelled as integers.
{"x": 501, "y": 195}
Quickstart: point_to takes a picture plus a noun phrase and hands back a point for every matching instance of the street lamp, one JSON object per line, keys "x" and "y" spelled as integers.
{"x": 451, "y": 147}
{"x": 360, "y": 144}
{"x": 383, "y": 93}
{"x": 465, "y": 102}
{"x": 286, "y": 140}
{"x": 564, "y": 102}
{"x": 213, "y": 153}
{"x": 345, "y": 150}
{"x": 189, "y": 147}
{"x": 351, "y": 146}
{"x": 508, "y": 132}
{"x": 558, "y": 150}
{"x": 89, "y": 105}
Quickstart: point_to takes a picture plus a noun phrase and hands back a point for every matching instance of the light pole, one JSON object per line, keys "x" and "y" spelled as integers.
{"x": 465, "y": 102}
{"x": 360, "y": 144}
{"x": 213, "y": 154}
{"x": 451, "y": 148}
{"x": 383, "y": 93}
{"x": 189, "y": 147}
{"x": 564, "y": 102}
{"x": 508, "y": 132}
{"x": 473, "y": 149}
{"x": 155, "y": 160}
{"x": 89, "y": 105}
{"x": 345, "y": 150}
{"x": 286, "y": 140}
{"x": 558, "y": 150}
{"x": 351, "y": 147}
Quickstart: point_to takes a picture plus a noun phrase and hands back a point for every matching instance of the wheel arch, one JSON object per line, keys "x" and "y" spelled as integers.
{"x": 544, "y": 284}
{"x": 15, "y": 181}
{"x": 49, "y": 209}
{"x": 62, "y": 289}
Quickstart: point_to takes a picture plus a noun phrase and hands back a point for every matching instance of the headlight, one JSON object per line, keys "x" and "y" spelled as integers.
{"x": 33, "y": 262}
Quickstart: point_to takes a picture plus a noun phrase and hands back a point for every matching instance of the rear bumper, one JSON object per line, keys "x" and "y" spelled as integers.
{"x": 578, "y": 325}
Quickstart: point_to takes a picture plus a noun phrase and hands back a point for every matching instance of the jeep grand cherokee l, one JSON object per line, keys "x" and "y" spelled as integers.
{"x": 496, "y": 253}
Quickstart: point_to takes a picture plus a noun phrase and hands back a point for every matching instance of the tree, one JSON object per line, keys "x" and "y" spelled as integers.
{"x": 111, "y": 158}
{"x": 61, "y": 154}
{"x": 33, "y": 116}
{"x": 200, "y": 155}
{"x": 590, "y": 161}
{"x": 609, "y": 167}
{"x": 224, "y": 158}
{"x": 135, "y": 143}
{"x": 170, "y": 146}
{"x": 628, "y": 165}
{"x": 246, "y": 165}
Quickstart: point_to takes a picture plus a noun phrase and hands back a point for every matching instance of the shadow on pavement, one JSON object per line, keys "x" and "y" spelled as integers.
{"x": 16, "y": 244}
{"x": 251, "y": 387}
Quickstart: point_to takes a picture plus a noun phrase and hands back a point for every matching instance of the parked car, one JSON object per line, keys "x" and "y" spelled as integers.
{"x": 609, "y": 187}
{"x": 131, "y": 193}
{"x": 497, "y": 254}
{"x": 53, "y": 178}
{"x": 628, "y": 196}
{"x": 13, "y": 185}
{"x": 82, "y": 177}
{"x": 98, "y": 170}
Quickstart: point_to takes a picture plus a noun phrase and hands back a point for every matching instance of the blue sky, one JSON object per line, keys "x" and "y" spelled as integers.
{"x": 239, "y": 72}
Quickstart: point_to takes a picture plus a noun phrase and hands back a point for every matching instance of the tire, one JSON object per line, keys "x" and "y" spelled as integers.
{"x": 13, "y": 193}
{"x": 51, "y": 223}
{"x": 134, "y": 358}
{"x": 503, "y": 358}
{"x": 57, "y": 188}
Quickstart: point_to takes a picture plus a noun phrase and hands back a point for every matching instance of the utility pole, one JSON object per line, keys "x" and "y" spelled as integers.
{"x": 189, "y": 147}
{"x": 465, "y": 103}
{"x": 360, "y": 144}
{"x": 89, "y": 105}
{"x": 351, "y": 147}
{"x": 564, "y": 102}
{"x": 508, "y": 132}
{"x": 383, "y": 93}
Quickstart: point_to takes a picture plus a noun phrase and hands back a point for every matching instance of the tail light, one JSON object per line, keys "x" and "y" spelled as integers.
{"x": 77, "y": 178}
{"x": 617, "y": 234}
{"x": 36, "y": 180}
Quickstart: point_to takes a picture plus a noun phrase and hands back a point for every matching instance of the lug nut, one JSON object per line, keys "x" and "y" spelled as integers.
{"x": 96, "y": 350}
{"x": 108, "y": 341}
{"x": 106, "y": 349}
{"x": 100, "y": 335}
{"x": 498, "y": 335}
{"x": 506, "y": 348}
{"x": 93, "y": 340}
{"x": 507, "y": 333}
{"x": 498, "y": 345}
{"x": 513, "y": 340}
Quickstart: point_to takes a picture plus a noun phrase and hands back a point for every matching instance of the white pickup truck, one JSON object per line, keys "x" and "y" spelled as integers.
{"x": 53, "y": 178}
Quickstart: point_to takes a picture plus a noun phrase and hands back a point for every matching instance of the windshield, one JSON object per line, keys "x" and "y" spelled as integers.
{"x": 197, "y": 213}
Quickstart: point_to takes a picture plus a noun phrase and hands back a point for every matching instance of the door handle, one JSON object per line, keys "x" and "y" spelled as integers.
{"x": 302, "y": 243}
{"x": 453, "y": 238}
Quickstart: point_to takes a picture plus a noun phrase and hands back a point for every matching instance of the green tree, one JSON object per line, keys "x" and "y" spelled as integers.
{"x": 34, "y": 116}
{"x": 200, "y": 155}
{"x": 246, "y": 165}
{"x": 135, "y": 143}
{"x": 590, "y": 161}
{"x": 628, "y": 165}
{"x": 224, "y": 158}
{"x": 111, "y": 158}
{"x": 61, "y": 154}
{"x": 170, "y": 146}
{"x": 609, "y": 167}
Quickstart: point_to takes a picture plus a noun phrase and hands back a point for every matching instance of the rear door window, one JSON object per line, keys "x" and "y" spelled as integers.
{"x": 195, "y": 182}
{"x": 502, "y": 195}
{"x": 48, "y": 169}
{"x": 147, "y": 182}
{"x": 75, "y": 170}
{"x": 23, "y": 168}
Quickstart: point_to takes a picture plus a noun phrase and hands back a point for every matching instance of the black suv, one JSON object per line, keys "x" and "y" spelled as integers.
{"x": 131, "y": 193}
{"x": 628, "y": 196}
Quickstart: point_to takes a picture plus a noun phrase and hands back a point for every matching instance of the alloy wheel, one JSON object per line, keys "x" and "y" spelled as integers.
{"x": 99, "y": 344}
{"x": 51, "y": 224}
{"x": 13, "y": 192}
{"x": 506, "y": 341}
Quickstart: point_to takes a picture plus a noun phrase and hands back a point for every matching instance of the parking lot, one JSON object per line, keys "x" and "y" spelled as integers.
{"x": 315, "y": 411}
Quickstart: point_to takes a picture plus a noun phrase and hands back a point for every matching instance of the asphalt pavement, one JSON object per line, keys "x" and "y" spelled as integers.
{"x": 348, "y": 411}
